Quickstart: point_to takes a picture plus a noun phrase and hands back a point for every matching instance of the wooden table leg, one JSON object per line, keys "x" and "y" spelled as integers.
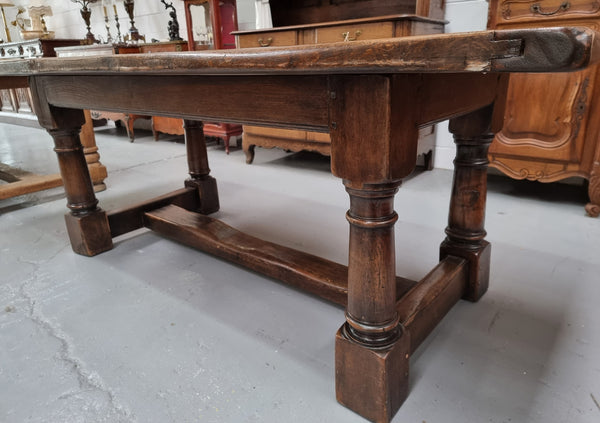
{"x": 198, "y": 167}
{"x": 87, "y": 224}
{"x": 465, "y": 232}
{"x": 372, "y": 349}
{"x": 373, "y": 146}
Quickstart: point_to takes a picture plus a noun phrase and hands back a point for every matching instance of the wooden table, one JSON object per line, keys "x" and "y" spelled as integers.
{"x": 372, "y": 97}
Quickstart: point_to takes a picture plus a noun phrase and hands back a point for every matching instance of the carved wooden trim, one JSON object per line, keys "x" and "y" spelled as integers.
{"x": 518, "y": 172}
{"x": 593, "y": 207}
{"x": 580, "y": 107}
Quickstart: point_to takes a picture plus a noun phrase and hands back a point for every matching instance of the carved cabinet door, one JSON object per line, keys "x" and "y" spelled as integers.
{"x": 552, "y": 122}
{"x": 545, "y": 126}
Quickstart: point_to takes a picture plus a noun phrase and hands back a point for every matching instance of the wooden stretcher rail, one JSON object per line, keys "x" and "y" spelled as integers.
{"x": 21, "y": 182}
{"x": 424, "y": 306}
{"x": 131, "y": 218}
{"x": 321, "y": 277}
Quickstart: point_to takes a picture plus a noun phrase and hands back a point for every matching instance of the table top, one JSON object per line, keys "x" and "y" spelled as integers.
{"x": 523, "y": 50}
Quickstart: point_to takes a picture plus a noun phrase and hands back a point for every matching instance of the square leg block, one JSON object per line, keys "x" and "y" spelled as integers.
{"x": 479, "y": 267}
{"x": 372, "y": 383}
{"x": 89, "y": 233}
{"x": 208, "y": 192}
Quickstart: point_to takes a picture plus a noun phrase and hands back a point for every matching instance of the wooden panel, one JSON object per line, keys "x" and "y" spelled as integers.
{"x": 368, "y": 31}
{"x": 308, "y": 110}
{"x": 555, "y": 117}
{"x": 292, "y": 134}
{"x": 268, "y": 39}
{"x": 161, "y": 47}
{"x": 547, "y": 12}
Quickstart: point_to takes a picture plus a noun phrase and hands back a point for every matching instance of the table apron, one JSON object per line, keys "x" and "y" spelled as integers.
{"x": 291, "y": 102}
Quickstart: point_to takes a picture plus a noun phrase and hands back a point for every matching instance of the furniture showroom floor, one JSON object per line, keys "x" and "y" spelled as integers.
{"x": 153, "y": 331}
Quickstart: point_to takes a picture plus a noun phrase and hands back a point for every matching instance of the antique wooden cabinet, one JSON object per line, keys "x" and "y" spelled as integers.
{"x": 552, "y": 121}
{"x": 309, "y": 22}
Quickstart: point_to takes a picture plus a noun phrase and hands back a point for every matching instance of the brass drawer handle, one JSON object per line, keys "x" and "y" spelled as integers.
{"x": 264, "y": 43}
{"x": 537, "y": 8}
{"x": 347, "y": 37}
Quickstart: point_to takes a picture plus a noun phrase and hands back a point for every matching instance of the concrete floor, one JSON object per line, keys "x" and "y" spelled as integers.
{"x": 153, "y": 331}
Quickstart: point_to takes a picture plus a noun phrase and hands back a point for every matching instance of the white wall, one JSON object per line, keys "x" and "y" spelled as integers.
{"x": 462, "y": 15}
{"x": 152, "y": 19}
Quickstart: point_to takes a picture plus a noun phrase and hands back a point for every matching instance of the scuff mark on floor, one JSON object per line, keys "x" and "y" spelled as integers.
{"x": 595, "y": 400}
{"x": 493, "y": 321}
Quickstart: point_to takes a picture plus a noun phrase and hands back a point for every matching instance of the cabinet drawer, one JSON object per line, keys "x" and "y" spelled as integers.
{"x": 544, "y": 10}
{"x": 268, "y": 39}
{"x": 366, "y": 31}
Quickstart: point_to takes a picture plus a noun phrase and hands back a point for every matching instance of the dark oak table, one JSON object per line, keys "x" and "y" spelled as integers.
{"x": 372, "y": 97}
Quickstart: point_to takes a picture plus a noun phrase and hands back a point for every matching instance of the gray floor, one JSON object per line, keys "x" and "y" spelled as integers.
{"x": 152, "y": 331}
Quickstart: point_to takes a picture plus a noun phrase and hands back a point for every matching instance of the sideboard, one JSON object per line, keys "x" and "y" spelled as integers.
{"x": 305, "y": 22}
{"x": 552, "y": 121}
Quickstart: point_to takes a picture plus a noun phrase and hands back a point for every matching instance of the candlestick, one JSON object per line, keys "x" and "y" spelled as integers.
{"x": 109, "y": 39}
{"x": 86, "y": 14}
{"x": 134, "y": 34}
{"x": 117, "y": 23}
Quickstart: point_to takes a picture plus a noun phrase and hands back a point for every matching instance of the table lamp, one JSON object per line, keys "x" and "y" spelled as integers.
{"x": 3, "y": 4}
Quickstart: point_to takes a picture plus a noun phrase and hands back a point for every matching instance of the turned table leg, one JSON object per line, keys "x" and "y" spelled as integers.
{"x": 373, "y": 146}
{"x": 198, "y": 167}
{"x": 465, "y": 231}
{"x": 87, "y": 224}
{"x": 372, "y": 349}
